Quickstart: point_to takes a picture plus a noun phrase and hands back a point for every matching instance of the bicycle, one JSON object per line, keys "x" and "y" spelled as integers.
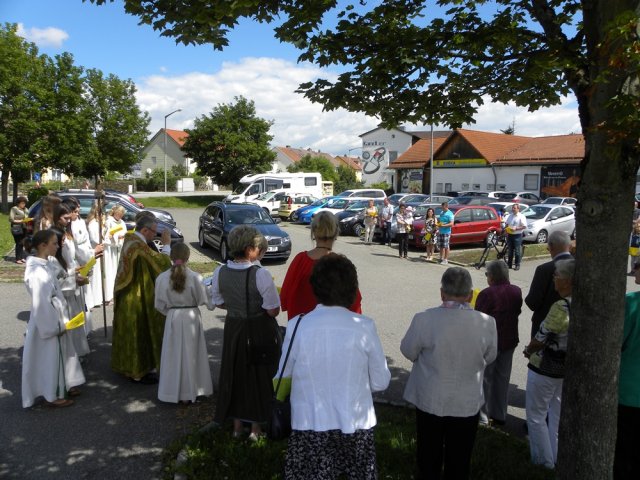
{"x": 501, "y": 252}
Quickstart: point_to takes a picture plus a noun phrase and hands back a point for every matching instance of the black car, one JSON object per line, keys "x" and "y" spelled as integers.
{"x": 87, "y": 197}
{"x": 219, "y": 218}
{"x": 351, "y": 220}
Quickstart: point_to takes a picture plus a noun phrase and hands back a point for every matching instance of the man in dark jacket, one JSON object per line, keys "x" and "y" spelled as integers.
{"x": 542, "y": 294}
{"x": 503, "y": 301}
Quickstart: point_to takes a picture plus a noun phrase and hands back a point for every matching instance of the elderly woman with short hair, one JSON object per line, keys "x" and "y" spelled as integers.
{"x": 336, "y": 362}
{"x": 251, "y": 299}
{"x": 450, "y": 346}
{"x": 546, "y": 353}
{"x": 503, "y": 301}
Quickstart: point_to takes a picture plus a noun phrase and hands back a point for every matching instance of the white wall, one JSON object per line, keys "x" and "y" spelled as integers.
{"x": 393, "y": 143}
{"x": 482, "y": 178}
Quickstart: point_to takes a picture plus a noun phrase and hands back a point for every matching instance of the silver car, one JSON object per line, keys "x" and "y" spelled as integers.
{"x": 543, "y": 219}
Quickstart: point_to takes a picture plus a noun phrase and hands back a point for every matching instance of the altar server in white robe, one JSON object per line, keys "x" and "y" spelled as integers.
{"x": 50, "y": 366}
{"x": 184, "y": 364}
{"x": 113, "y": 240}
{"x": 95, "y": 280}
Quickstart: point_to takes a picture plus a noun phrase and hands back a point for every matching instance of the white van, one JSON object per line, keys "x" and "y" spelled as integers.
{"x": 253, "y": 185}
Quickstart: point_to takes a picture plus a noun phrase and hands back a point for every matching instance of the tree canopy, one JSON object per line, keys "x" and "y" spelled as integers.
{"x": 230, "y": 142}
{"x": 436, "y": 62}
{"x": 54, "y": 114}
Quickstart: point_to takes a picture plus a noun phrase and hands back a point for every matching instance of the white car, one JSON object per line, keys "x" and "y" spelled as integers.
{"x": 543, "y": 220}
{"x": 270, "y": 201}
{"x": 506, "y": 206}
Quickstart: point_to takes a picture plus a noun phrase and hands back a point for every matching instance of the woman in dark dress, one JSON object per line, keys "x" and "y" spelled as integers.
{"x": 251, "y": 299}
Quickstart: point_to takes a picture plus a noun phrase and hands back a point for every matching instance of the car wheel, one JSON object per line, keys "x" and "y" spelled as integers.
{"x": 542, "y": 236}
{"x": 489, "y": 239}
{"x": 358, "y": 230}
{"x": 573, "y": 235}
{"x": 224, "y": 252}
{"x": 201, "y": 241}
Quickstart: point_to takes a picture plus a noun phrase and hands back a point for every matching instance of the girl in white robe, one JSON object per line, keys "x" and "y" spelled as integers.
{"x": 184, "y": 363}
{"x": 113, "y": 240}
{"x": 50, "y": 367}
{"x": 95, "y": 280}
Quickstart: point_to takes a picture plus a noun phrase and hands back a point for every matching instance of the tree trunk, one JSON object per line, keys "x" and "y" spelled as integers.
{"x": 15, "y": 190}
{"x": 605, "y": 202}
{"x": 5, "y": 191}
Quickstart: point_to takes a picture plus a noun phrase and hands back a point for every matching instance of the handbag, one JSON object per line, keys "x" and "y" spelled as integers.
{"x": 263, "y": 336}
{"x": 17, "y": 229}
{"x": 552, "y": 363}
{"x": 279, "y": 425}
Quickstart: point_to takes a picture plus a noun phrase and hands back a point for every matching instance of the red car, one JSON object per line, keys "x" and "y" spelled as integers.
{"x": 471, "y": 224}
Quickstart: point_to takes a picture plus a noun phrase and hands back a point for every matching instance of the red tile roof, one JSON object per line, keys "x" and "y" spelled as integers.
{"x": 295, "y": 154}
{"x": 178, "y": 136}
{"x": 554, "y": 149}
{"x": 351, "y": 162}
{"x": 417, "y": 156}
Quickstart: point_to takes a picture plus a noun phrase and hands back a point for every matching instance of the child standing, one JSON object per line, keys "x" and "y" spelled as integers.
{"x": 50, "y": 366}
{"x": 184, "y": 364}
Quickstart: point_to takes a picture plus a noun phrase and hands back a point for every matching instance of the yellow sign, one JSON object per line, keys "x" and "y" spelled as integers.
{"x": 460, "y": 162}
{"x": 76, "y": 321}
{"x": 84, "y": 271}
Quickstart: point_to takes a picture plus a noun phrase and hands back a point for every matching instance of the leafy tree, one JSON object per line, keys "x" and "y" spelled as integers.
{"x": 117, "y": 125}
{"x": 230, "y": 142}
{"x": 346, "y": 179}
{"x": 310, "y": 163}
{"x": 404, "y": 65}
{"x": 21, "y": 71}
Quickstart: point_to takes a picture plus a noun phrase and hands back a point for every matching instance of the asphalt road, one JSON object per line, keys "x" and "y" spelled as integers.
{"x": 117, "y": 428}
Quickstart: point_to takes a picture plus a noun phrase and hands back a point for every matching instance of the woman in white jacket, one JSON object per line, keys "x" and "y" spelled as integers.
{"x": 113, "y": 240}
{"x": 335, "y": 364}
{"x": 50, "y": 366}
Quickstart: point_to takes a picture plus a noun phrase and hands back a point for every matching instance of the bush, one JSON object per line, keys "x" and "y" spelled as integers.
{"x": 36, "y": 193}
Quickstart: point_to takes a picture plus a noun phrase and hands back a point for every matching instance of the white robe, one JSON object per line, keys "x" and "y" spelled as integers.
{"x": 113, "y": 247}
{"x": 84, "y": 252}
{"x": 184, "y": 363}
{"x": 72, "y": 294}
{"x": 95, "y": 283}
{"x": 49, "y": 363}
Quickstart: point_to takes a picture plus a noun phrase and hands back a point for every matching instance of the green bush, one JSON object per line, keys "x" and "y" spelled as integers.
{"x": 36, "y": 193}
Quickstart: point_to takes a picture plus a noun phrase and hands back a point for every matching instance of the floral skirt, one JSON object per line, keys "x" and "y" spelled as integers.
{"x": 326, "y": 455}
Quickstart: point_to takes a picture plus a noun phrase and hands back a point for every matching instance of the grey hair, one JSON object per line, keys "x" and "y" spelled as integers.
{"x": 498, "y": 271}
{"x": 145, "y": 221}
{"x": 566, "y": 268}
{"x": 324, "y": 226}
{"x": 559, "y": 239}
{"x": 242, "y": 237}
{"x": 456, "y": 282}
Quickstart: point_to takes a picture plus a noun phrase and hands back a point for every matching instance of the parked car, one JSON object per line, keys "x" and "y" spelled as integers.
{"x": 87, "y": 197}
{"x": 529, "y": 198}
{"x": 542, "y": 220}
{"x": 219, "y": 218}
{"x": 304, "y": 214}
{"x": 471, "y": 224}
{"x": 570, "y": 201}
{"x": 269, "y": 201}
{"x": 339, "y": 204}
{"x": 471, "y": 200}
{"x": 159, "y": 214}
{"x": 468, "y": 193}
{"x": 439, "y": 199}
{"x": 506, "y": 206}
{"x": 291, "y": 203}
{"x": 364, "y": 192}
{"x": 351, "y": 220}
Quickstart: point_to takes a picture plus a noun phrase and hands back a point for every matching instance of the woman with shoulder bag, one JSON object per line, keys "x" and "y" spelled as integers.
{"x": 546, "y": 353}
{"x": 17, "y": 217}
{"x": 251, "y": 340}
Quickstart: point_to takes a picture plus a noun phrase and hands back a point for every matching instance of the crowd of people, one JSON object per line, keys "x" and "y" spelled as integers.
{"x": 461, "y": 352}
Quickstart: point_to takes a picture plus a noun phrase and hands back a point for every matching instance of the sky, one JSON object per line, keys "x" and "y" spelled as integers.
{"x": 196, "y": 79}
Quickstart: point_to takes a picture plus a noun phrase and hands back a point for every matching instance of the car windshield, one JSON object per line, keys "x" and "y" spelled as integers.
{"x": 536, "y": 212}
{"x": 266, "y": 195}
{"x": 253, "y": 216}
{"x": 554, "y": 200}
{"x": 507, "y": 196}
{"x": 359, "y": 205}
{"x": 338, "y": 203}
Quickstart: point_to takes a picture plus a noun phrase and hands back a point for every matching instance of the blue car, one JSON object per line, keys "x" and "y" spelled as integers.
{"x": 304, "y": 214}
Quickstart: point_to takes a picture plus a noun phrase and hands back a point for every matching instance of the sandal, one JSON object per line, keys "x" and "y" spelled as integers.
{"x": 60, "y": 403}
{"x": 73, "y": 392}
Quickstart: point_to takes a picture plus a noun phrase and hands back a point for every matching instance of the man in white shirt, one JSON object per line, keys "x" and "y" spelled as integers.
{"x": 515, "y": 224}
{"x": 387, "y": 216}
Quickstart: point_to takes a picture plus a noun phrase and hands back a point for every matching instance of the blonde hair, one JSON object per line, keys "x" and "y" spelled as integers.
{"x": 242, "y": 237}
{"x": 117, "y": 208}
{"x": 179, "y": 256}
{"x": 324, "y": 226}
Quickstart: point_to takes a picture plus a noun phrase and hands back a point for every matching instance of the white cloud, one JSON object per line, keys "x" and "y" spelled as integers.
{"x": 271, "y": 84}
{"x": 43, "y": 37}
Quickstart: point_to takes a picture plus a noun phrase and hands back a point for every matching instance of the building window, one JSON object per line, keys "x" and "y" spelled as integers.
{"x": 476, "y": 186}
{"x": 465, "y": 186}
{"x": 531, "y": 181}
{"x": 439, "y": 188}
{"x": 502, "y": 186}
{"x": 448, "y": 187}
{"x": 491, "y": 187}
{"x": 154, "y": 160}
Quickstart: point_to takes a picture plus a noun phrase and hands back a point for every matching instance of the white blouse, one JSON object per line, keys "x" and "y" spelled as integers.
{"x": 264, "y": 283}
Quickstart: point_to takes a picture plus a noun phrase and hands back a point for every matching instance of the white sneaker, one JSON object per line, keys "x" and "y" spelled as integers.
{"x": 445, "y": 262}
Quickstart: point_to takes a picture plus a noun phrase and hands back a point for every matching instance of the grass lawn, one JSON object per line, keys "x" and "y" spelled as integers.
{"x": 6, "y": 239}
{"x": 214, "y": 454}
{"x": 470, "y": 257}
{"x": 196, "y": 201}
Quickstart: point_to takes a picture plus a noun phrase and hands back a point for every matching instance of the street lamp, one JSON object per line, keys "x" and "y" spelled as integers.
{"x": 165, "y": 146}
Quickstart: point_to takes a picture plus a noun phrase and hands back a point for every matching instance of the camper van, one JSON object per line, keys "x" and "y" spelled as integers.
{"x": 253, "y": 185}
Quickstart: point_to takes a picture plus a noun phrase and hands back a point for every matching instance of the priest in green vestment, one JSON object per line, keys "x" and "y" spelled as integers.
{"x": 137, "y": 326}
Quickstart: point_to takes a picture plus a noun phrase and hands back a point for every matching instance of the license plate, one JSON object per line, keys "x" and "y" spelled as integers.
{"x": 272, "y": 249}
{"x": 410, "y": 237}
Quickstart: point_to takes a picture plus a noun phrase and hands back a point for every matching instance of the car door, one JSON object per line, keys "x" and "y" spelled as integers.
{"x": 462, "y": 226}
{"x": 562, "y": 219}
